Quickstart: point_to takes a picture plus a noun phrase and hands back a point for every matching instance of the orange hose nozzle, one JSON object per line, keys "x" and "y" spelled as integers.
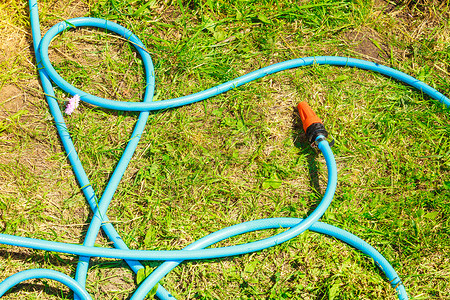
{"x": 307, "y": 115}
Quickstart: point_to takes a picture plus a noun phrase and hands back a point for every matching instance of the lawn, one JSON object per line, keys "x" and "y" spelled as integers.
{"x": 239, "y": 156}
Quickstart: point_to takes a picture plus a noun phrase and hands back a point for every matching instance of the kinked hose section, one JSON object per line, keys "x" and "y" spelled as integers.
{"x": 196, "y": 250}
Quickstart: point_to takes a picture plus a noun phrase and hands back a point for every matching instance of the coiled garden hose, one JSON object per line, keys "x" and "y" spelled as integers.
{"x": 197, "y": 249}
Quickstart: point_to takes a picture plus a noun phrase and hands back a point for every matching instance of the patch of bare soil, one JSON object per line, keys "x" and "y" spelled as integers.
{"x": 11, "y": 100}
{"x": 368, "y": 44}
{"x": 409, "y": 11}
{"x": 28, "y": 137}
{"x": 39, "y": 195}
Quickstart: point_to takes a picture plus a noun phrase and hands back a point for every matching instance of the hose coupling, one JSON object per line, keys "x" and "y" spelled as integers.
{"x": 312, "y": 125}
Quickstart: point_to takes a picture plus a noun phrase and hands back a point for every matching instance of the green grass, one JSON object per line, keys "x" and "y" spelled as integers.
{"x": 239, "y": 156}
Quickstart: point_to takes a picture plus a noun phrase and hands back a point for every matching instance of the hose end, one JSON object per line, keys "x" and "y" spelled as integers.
{"x": 312, "y": 124}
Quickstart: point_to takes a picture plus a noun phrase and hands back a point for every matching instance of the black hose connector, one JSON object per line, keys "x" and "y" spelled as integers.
{"x": 314, "y": 130}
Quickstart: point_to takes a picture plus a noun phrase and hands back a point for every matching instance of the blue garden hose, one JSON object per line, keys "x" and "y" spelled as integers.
{"x": 195, "y": 250}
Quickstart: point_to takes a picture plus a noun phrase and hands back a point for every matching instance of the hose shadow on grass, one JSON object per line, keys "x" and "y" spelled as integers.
{"x": 301, "y": 142}
{"x": 42, "y": 287}
{"x": 49, "y": 287}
